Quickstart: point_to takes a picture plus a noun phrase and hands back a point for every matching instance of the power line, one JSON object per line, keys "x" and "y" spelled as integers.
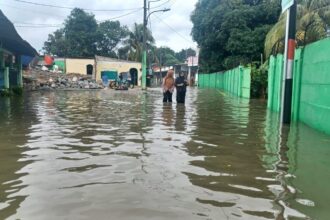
{"x": 34, "y": 24}
{"x": 70, "y": 8}
{"x": 24, "y": 10}
{"x": 158, "y": 6}
{"x": 183, "y": 37}
{"x": 124, "y": 15}
{"x": 28, "y": 25}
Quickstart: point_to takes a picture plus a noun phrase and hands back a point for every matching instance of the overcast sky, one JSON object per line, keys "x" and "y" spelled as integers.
{"x": 170, "y": 29}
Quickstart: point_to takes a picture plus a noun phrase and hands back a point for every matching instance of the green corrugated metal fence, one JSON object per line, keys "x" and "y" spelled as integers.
{"x": 311, "y": 85}
{"x": 236, "y": 81}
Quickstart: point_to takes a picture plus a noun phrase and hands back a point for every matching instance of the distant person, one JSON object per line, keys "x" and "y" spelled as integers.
{"x": 168, "y": 86}
{"x": 192, "y": 81}
{"x": 181, "y": 88}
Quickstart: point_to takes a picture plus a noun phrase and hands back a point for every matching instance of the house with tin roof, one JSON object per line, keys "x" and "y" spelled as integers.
{"x": 14, "y": 51}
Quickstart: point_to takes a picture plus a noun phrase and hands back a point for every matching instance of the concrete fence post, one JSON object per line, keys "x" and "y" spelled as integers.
{"x": 6, "y": 78}
{"x": 240, "y": 84}
{"x": 20, "y": 72}
{"x": 297, "y": 68}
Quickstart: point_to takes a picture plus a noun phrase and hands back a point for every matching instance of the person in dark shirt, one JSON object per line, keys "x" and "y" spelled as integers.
{"x": 181, "y": 88}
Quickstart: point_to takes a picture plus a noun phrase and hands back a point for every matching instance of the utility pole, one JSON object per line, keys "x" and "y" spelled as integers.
{"x": 146, "y": 16}
{"x": 144, "y": 54}
{"x": 289, "y": 62}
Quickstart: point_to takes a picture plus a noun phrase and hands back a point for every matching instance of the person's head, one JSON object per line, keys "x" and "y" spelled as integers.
{"x": 170, "y": 73}
{"x": 181, "y": 74}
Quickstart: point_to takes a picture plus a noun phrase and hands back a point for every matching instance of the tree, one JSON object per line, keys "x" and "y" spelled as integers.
{"x": 80, "y": 30}
{"x": 166, "y": 56}
{"x": 110, "y": 34}
{"x": 313, "y": 22}
{"x": 56, "y": 44}
{"x": 134, "y": 44}
{"x": 184, "y": 54}
{"x": 83, "y": 37}
{"x": 230, "y": 33}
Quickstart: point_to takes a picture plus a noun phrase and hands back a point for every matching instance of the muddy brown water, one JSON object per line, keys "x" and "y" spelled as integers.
{"x": 125, "y": 155}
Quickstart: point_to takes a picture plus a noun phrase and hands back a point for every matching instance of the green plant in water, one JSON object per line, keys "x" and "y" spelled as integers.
{"x": 5, "y": 92}
{"x": 259, "y": 81}
{"x": 17, "y": 91}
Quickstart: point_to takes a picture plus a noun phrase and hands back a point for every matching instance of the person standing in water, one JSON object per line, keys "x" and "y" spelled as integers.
{"x": 181, "y": 88}
{"x": 168, "y": 86}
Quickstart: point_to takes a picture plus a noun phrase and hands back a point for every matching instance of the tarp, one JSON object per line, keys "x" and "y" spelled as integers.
{"x": 11, "y": 41}
{"x": 26, "y": 60}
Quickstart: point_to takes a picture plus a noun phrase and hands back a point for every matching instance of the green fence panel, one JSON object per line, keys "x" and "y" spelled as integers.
{"x": 246, "y": 83}
{"x": 236, "y": 81}
{"x": 275, "y": 76}
{"x": 315, "y": 86}
{"x": 311, "y": 85}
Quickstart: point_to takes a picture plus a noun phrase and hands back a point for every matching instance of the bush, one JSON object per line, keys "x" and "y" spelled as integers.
{"x": 17, "y": 91}
{"x": 259, "y": 81}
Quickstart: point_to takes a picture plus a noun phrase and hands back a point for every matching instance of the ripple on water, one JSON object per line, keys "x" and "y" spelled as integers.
{"x": 83, "y": 155}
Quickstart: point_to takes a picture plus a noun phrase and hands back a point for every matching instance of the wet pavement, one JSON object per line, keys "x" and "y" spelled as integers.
{"x": 125, "y": 155}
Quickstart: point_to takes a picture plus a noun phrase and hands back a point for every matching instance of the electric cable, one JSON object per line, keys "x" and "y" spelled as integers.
{"x": 179, "y": 34}
{"x": 70, "y": 8}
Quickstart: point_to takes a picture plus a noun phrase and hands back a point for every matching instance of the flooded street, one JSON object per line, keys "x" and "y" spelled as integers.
{"x": 125, "y": 155}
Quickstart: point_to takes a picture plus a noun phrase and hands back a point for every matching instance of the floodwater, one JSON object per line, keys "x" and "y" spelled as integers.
{"x": 126, "y": 156}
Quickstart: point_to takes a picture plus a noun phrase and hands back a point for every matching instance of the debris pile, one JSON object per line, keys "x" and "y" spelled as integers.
{"x": 37, "y": 79}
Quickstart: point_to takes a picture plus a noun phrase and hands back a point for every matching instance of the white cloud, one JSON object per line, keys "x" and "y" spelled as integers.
{"x": 177, "y": 19}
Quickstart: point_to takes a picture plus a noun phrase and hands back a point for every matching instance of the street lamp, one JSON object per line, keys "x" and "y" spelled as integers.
{"x": 162, "y": 10}
{"x": 144, "y": 56}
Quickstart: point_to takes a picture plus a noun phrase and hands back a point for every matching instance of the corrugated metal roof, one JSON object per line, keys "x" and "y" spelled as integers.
{"x": 11, "y": 41}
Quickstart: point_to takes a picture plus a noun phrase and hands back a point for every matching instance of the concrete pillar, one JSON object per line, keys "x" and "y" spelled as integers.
{"x": 2, "y": 59}
{"x": 11, "y": 64}
{"x": 19, "y": 71}
{"x": 6, "y": 78}
{"x": 189, "y": 75}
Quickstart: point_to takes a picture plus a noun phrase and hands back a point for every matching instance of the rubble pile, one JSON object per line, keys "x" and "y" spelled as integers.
{"x": 37, "y": 79}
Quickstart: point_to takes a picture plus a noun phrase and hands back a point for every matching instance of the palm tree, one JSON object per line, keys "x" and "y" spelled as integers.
{"x": 313, "y": 22}
{"x": 134, "y": 43}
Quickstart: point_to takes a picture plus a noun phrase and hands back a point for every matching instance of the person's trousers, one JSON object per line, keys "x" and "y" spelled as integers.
{"x": 167, "y": 96}
{"x": 181, "y": 96}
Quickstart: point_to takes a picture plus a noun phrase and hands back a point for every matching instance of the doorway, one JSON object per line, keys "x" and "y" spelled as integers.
{"x": 89, "y": 69}
{"x": 134, "y": 76}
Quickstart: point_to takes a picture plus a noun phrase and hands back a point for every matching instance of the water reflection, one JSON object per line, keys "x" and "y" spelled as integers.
{"x": 82, "y": 155}
{"x": 15, "y": 120}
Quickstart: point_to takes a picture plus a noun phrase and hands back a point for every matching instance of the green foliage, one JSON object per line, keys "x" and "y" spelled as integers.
{"x": 166, "y": 56}
{"x": 5, "y": 93}
{"x": 232, "y": 32}
{"x": 16, "y": 91}
{"x": 133, "y": 46}
{"x": 110, "y": 34}
{"x": 80, "y": 31}
{"x": 83, "y": 37}
{"x": 259, "y": 81}
{"x": 183, "y": 54}
{"x": 313, "y": 22}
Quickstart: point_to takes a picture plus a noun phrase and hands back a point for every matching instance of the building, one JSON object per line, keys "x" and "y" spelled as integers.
{"x": 13, "y": 52}
{"x": 192, "y": 63}
{"x": 108, "y": 68}
{"x": 82, "y": 66}
{"x": 158, "y": 73}
{"x": 100, "y": 68}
